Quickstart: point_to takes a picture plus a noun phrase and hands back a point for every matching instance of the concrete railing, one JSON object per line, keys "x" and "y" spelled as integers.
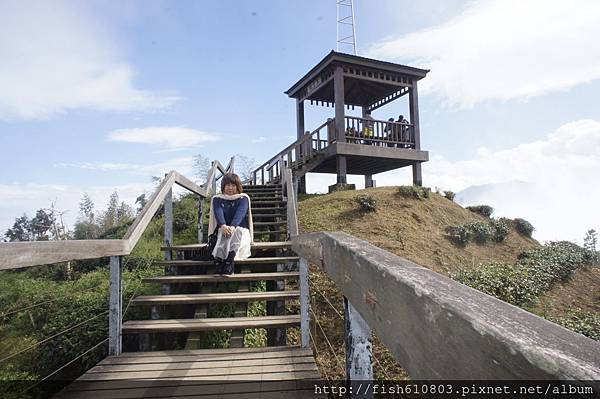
{"x": 437, "y": 328}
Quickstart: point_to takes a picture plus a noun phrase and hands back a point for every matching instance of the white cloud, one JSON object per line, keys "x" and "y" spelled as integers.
{"x": 504, "y": 49}
{"x": 170, "y": 138}
{"x": 57, "y": 56}
{"x": 553, "y": 183}
{"x": 183, "y": 165}
{"x": 260, "y": 139}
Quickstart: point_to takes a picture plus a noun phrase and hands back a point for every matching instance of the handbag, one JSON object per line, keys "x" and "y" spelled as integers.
{"x": 211, "y": 243}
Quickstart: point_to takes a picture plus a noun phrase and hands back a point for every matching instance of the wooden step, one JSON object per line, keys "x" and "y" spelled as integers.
{"x": 271, "y": 208}
{"x": 249, "y": 261}
{"x": 210, "y": 324}
{"x": 276, "y": 223}
{"x": 217, "y": 278}
{"x": 260, "y": 216}
{"x": 263, "y": 203}
{"x": 215, "y": 298}
{"x": 265, "y": 232}
{"x": 256, "y": 246}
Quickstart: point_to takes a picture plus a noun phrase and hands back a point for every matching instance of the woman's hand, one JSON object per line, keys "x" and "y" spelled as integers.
{"x": 227, "y": 230}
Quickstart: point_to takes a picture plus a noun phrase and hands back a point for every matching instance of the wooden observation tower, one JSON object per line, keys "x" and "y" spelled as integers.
{"x": 359, "y": 145}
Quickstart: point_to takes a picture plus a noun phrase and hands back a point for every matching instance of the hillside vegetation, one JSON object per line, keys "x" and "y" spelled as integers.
{"x": 559, "y": 285}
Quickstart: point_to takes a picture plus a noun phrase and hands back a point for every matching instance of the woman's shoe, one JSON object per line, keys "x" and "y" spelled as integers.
{"x": 219, "y": 264}
{"x": 229, "y": 263}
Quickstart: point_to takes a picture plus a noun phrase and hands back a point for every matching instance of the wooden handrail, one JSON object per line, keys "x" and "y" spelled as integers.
{"x": 437, "y": 328}
{"x": 15, "y": 255}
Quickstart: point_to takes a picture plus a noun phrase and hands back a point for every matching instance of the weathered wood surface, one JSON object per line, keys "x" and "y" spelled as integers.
{"x": 438, "y": 328}
{"x": 24, "y": 254}
{"x": 115, "y": 307}
{"x": 221, "y": 297}
{"x": 259, "y": 246}
{"x": 217, "y": 278}
{"x": 221, "y": 323}
{"x": 282, "y": 372}
{"x": 292, "y": 217}
{"x": 247, "y": 261}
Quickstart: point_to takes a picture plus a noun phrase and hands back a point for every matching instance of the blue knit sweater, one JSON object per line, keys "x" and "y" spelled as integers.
{"x": 231, "y": 212}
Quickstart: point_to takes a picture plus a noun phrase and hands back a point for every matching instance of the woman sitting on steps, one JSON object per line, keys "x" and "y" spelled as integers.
{"x": 230, "y": 212}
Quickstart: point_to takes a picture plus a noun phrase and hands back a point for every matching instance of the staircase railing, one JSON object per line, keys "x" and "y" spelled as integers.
{"x": 26, "y": 254}
{"x": 437, "y": 328}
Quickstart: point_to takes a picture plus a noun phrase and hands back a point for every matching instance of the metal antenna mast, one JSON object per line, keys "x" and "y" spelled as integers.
{"x": 346, "y": 32}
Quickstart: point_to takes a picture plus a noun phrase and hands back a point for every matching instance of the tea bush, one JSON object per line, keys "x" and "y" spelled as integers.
{"x": 481, "y": 232}
{"x": 458, "y": 234}
{"x": 416, "y": 192}
{"x": 483, "y": 210}
{"x": 523, "y": 227}
{"x": 585, "y": 323}
{"x": 534, "y": 273}
{"x": 449, "y": 195}
{"x": 366, "y": 203}
{"x": 501, "y": 228}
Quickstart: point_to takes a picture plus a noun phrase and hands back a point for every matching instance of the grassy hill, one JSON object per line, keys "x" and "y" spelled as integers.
{"x": 416, "y": 229}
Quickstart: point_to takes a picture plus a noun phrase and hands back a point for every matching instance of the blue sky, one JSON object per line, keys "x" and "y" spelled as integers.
{"x": 98, "y": 96}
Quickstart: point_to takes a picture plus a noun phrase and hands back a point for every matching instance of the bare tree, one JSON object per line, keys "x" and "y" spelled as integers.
{"x": 244, "y": 166}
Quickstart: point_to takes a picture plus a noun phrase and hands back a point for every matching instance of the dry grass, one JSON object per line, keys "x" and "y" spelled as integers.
{"x": 413, "y": 229}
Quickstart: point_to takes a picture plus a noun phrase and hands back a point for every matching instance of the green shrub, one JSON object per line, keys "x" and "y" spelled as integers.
{"x": 449, "y": 195}
{"x": 501, "y": 228}
{"x": 535, "y": 273}
{"x": 366, "y": 203}
{"x": 523, "y": 227}
{"x": 585, "y": 323}
{"x": 481, "y": 232}
{"x": 416, "y": 192}
{"x": 483, "y": 210}
{"x": 501, "y": 280}
{"x": 458, "y": 234}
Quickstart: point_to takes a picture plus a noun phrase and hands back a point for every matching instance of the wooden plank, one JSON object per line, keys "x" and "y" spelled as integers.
{"x": 359, "y": 346}
{"x": 217, "y": 278}
{"x": 225, "y": 323}
{"x": 248, "y": 261}
{"x": 209, "y": 352}
{"x": 14, "y": 255}
{"x": 192, "y": 365}
{"x": 254, "y": 245}
{"x": 470, "y": 335}
{"x": 214, "y": 373}
{"x": 199, "y": 383}
{"x": 125, "y": 359}
{"x": 214, "y": 297}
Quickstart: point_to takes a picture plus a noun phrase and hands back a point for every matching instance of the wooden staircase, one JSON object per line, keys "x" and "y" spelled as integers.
{"x": 190, "y": 286}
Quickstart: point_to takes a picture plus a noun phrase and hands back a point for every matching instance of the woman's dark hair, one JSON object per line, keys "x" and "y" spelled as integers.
{"x": 231, "y": 178}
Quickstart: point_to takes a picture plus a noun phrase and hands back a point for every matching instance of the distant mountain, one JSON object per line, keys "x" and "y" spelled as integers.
{"x": 489, "y": 194}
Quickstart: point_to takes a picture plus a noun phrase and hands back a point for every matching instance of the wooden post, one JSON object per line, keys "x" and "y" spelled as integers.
{"x": 341, "y": 169}
{"x": 115, "y": 315}
{"x": 304, "y": 303}
{"x": 359, "y": 347}
{"x": 299, "y": 118}
{"x": 413, "y": 102}
{"x": 214, "y": 180}
{"x": 201, "y": 219}
{"x": 340, "y": 122}
{"x": 417, "y": 175}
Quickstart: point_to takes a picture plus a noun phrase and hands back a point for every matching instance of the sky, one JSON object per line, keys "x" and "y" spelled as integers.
{"x": 101, "y": 96}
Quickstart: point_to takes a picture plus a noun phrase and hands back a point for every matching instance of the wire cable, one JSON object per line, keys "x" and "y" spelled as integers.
{"x": 317, "y": 352}
{"x": 28, "y": 307}
{"x": 327, "y": 339}
{"x": 51, "y": 337}
{"x": 66, "y": 364}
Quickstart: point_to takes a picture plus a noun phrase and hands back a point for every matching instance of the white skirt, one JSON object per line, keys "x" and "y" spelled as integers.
{"x": 239, "y": 242}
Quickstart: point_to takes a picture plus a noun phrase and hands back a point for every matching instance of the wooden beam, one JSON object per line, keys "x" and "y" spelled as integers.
{"x": 421, "y": 315}
{"x": 413, "y": 103}
{"x": 299, "y": 118}
{"x": 304, "y": 303}
{"x": 14, "y": 255}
